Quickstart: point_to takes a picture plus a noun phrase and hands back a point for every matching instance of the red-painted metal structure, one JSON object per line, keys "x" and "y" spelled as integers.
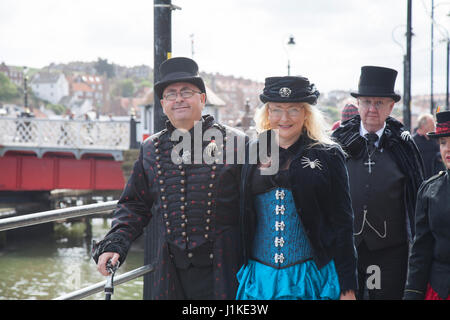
{"x": 49, "y": 154}
{"x": 21, "y": 172}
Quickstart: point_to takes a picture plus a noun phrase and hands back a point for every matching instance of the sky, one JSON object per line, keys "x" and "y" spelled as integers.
{"x": 243, "y": 38}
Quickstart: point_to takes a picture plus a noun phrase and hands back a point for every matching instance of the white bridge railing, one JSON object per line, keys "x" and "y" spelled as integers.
{"x": 32, "y": 132}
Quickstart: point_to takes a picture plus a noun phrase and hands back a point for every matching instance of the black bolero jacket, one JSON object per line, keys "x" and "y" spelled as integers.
{"x": 323, "y": 202}
{"x": 429, "y": 261}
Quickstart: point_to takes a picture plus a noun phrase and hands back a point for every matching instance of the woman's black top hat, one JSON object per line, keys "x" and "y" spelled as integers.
{"x": 377, "y": 82}
{"x": 442, "y": 125}
{"x": 289, "y": 89}
{"x": 178, "y": 69}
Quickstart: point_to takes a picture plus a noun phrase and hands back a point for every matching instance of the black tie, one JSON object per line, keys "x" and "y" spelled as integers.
{"x": 371, "y": 139}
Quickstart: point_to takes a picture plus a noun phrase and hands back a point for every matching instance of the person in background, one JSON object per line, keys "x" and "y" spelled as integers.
{"x": 297, "y": 224}
{"x": 429, "y": 262}
{"x": 347, "y": 113}
{"x": 385, "y": 171}
{"x": 429, "y": 149}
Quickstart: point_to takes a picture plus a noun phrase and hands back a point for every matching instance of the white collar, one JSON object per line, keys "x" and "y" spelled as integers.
{"x": 363, "y": 132}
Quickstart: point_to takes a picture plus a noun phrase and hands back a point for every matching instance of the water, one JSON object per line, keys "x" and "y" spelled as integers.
{"x": 47, "y": 269}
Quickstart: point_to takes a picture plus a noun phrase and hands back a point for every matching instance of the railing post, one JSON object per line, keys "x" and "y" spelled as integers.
{"x": 133, "y": 139}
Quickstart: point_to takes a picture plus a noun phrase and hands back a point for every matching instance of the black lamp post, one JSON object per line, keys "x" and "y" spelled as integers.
{"x": 447, "y": 40}
{"x": 447, "y": 107}
{"x": 289, "y": 47}
{"x": 25, "y": 87}
{"x": 432, "y": 56}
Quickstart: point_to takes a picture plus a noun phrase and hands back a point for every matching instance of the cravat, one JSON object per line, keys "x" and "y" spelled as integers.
{"x": 371, "y": 139}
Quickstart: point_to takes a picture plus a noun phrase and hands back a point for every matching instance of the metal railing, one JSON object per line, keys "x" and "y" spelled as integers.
{"x": 98, "y": 287}
{"x": 63, "y": 133}
{"x": 74, "y": 212}
{"x": 57, "y": 214}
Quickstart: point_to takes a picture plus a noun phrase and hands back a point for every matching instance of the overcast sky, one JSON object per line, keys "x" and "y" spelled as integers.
{"x": 334, "y": 38}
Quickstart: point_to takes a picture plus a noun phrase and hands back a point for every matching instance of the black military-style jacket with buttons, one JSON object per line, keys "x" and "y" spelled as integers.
{"x": 196, "y": 207}
{"x": 429, "y": 261}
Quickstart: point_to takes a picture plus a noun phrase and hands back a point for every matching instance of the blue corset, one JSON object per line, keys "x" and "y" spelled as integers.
{"x": 280, "y": 240}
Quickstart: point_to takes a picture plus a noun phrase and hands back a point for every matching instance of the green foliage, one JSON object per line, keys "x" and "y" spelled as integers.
{"x": 57, "y": 108}
{"x": 331, "y": 113}
{"x": 126, "y": 88}
{"x": 104, "y": 68}
{"x": 145, "y": 83}
{"x": 8, "y": 90}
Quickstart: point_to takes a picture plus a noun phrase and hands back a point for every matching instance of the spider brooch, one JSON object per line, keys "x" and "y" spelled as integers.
{"x": 312, "y": 164}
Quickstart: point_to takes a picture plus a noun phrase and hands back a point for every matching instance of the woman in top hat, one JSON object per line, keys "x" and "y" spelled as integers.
{"x": 429, "y": 262}
{"x": 297, "y": 222}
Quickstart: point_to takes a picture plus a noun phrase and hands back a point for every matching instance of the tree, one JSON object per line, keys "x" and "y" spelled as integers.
{"x": 8, "y": 90}
{"x": 145, "y": 83}
{"x": 56, "y": 108}
{"x": 104, "y": 68}
{"x": 127, "y": 88}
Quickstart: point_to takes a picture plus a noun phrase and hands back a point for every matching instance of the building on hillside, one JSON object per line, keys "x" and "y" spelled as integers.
{"x": 139, "y": 72}
{"x": 51, "y": 87}
{"x": 15, "y": 74}
{"x": 91, "y": 87}
{"x": 235, "y": 92}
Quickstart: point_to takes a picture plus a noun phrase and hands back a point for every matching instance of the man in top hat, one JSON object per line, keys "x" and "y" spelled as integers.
{"x": 195, "y": 203}
{"x": 385, "y": 171}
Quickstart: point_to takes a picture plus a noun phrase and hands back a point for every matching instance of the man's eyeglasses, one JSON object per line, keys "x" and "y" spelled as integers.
{"x": 185, "y": 94}
{"x": 278, "y": 113}
{"x": 366, "y": 103}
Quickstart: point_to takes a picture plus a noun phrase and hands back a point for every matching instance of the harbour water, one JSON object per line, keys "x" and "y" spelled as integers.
{"x": 44, "y": 269}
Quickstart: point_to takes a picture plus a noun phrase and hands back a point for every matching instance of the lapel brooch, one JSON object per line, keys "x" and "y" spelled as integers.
{"x": 312, "y": 164}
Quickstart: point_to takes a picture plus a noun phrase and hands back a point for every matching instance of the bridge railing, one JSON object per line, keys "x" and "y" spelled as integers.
{"x": 57, "y": 214}
{"x": 73, "y": 212}
{"x": 65, "y": 133}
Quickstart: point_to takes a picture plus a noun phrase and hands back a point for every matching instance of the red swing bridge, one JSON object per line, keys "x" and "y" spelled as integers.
{"x": 45, "y": 154}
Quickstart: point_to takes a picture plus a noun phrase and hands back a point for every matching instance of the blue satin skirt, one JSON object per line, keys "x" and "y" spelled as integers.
{"x": 302, "y": 281}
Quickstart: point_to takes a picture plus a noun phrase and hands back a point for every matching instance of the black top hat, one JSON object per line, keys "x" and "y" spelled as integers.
{"x": 442, "y": 125}
{"x": 289, "y": 89}
{"x": 178, "y": 69}
{"x": 377, "y": 82}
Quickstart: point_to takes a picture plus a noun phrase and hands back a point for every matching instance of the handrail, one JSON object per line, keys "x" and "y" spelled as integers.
{"x": 57, "y": 214}
{"x": 99, "y": 286}
{"x": 73, "y": 212}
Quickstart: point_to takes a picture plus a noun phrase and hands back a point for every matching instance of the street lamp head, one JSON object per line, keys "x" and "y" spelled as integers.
{"x": 291, "y": 41}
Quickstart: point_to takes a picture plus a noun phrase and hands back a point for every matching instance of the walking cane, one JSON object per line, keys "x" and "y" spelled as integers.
{"x": 109, "y": 286}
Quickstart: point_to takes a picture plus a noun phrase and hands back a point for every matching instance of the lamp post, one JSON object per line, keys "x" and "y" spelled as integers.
{"x": 447, "y": 36}
{"x": 406, "y": 66}
{"x": 447, "y": 107}
{"x": 447, "y": 40}
{"x": 289, "y": 48}
{"x": 25, "y": 87}
{"x": 407, "y": 69}
{"x": 432, "y": 55}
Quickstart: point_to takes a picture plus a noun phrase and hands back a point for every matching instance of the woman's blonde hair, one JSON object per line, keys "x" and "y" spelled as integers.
{"x": 315, "y": 125}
